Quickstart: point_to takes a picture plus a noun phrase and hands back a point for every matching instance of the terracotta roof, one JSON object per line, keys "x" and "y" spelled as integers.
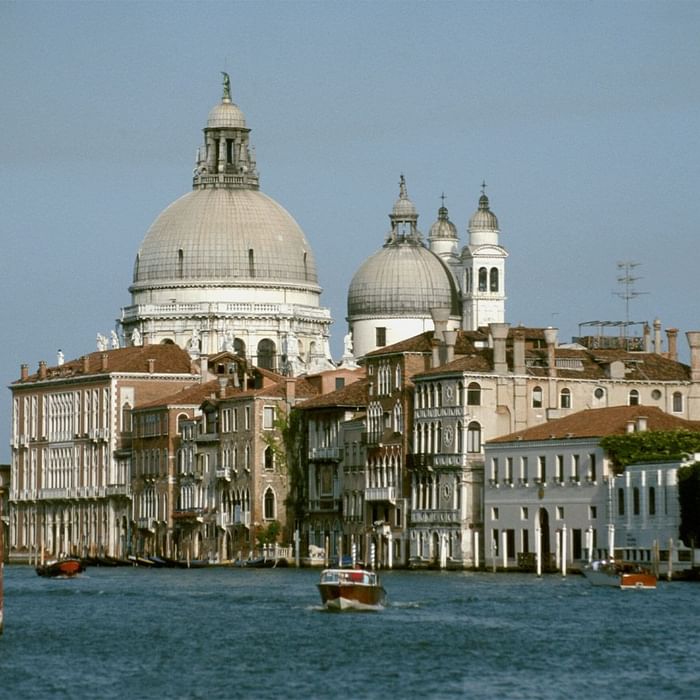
{"x": 189, "y": 396}
{"x": 169, "y": 359}
{"x": 423, "y": 344}
{"x": 354, "y": 394}
{"x": 599, "y": 422}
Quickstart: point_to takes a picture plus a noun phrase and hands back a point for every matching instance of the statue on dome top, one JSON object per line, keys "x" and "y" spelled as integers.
{"x": 227, "y": 86}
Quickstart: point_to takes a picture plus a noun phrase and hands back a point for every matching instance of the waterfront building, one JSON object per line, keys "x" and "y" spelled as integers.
{"x": 334, "y": 517}
{"x": 552, "y": 489}
{"x": 646, "y": 516}
{"x": 226, "y": 268}
{"x": 509, "y": 380}
{"x": 70, "y": 488}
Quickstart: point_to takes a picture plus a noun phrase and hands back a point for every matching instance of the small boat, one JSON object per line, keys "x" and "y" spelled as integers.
{"x": 60, "y": 568}
{"x": 351, "y": 589}
{"x": 608, "y": 572}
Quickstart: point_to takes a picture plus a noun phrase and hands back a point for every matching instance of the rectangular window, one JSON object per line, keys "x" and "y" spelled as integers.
{"x": 523, "y": 470}
{"x": 560, "y": 512}
{"x": 592, "y": 468}
{"x": 621, "y": 501}
{"x": 592, "y": 512}
{"x": 494, "y": 470}
{"x": 339, "y": 382}
{"x": 652, "y": 501}
{"x": 247, "y": 417}
{"x": 523, "y": 513}
{"x": 542, "y": 469}
{"x": 560, "y": 468}
{"x": 234, "y": 417}
{"x": 525, "y": 541}
{"x": 494, "y": 513}
{"x": 575, "y": 474}
{"x": 509, "y": 470}
{"x": 380, "y": 336}
{"x": 226, "y": 420}
{"x": 268, "y": 417}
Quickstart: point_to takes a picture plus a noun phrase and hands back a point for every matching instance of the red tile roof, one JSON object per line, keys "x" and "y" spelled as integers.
{"x": 168, "y": 359}
{"x": 599, "y": 422}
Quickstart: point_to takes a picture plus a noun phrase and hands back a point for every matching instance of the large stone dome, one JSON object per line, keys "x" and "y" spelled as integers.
{"x": 224, "y": 236}
{"x": 402, "y": 279}
{"x": 226, "y": 268}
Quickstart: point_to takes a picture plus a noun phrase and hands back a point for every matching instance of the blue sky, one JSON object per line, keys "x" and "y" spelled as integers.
{"x": 582, "y": 117}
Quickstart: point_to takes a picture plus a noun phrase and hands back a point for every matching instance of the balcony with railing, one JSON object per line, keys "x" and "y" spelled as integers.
{"x": 146, "y": 524}
{"x": 328, "y": 504}
{"x": 328, "y": 454}
{"x": 224, "y": 473}
{"x": 118, "y": 490}
{"x": 381, "y": 493}
{"x": 435, "y": 517}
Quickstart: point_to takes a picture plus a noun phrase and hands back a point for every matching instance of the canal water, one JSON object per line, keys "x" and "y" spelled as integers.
{"x": 237, "y": 633}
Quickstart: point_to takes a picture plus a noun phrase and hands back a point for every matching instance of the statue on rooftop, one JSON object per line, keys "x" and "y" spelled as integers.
{"x": 227, "y": 86}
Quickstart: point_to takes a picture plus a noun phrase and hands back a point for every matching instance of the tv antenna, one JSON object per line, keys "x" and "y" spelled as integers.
{"x": 626, "y": 280}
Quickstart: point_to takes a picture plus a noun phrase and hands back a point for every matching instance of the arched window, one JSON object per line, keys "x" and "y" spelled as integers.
{"x": 537, "y": 397}
{"x": 473, "y": 437}
{"x": 266, "y": 354}
{"x": 634, "y": 398}
{"x": 468, "y": 279}
{"x": 565, "y": 398}
{"x": 269, "y": 505}
{"x": 483, "y": 281}
{"x": 493, "y": 279}
{"x": 239, "y": 347}
{"x": 269, "y": 458}
{"x": 677, "y": 402}
{"x": 474, "y": 394}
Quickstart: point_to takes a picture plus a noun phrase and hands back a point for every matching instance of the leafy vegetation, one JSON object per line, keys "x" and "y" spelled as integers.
{"x": 269, "y": 534}
{"x": 649, "y": 446}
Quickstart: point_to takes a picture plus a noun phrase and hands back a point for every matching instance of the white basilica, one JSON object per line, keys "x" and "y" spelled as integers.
{"x": 225, "y": 267}
{"x": 397, "y": 291}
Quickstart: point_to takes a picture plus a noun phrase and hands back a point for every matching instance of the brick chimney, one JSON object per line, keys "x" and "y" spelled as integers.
{"x": 86, "y": 364}
{"x": 499, "y": 334}
{"x": 518, "y": 352}
{"x": 223, "y": 383}
{"x": 657, "y": 336}
{"x": 694, "y": 343}
{"x": 672, "y": 335}
{"x": 441, "y": 316}
{"x": 450, "y": 340}
{"x": 290, "y": 389}
{"x": 647, "y": 338}
{"x": 24, "y": 371}
{"x": 42, "y": 369}
{"x": 550, "y": 337}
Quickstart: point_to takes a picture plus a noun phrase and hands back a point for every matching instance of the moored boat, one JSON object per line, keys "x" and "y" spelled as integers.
{"x": 60, "y": 568}
{"x": 351, "y": 589}
{"x": 608, "y": 572}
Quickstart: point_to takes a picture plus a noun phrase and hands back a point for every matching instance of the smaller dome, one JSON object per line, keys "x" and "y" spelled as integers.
{"x": 404, "y": 209}
{"x": 483, "y": 218}
{"x": 226, "y": 115}
{"x": 443, "y": 227}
